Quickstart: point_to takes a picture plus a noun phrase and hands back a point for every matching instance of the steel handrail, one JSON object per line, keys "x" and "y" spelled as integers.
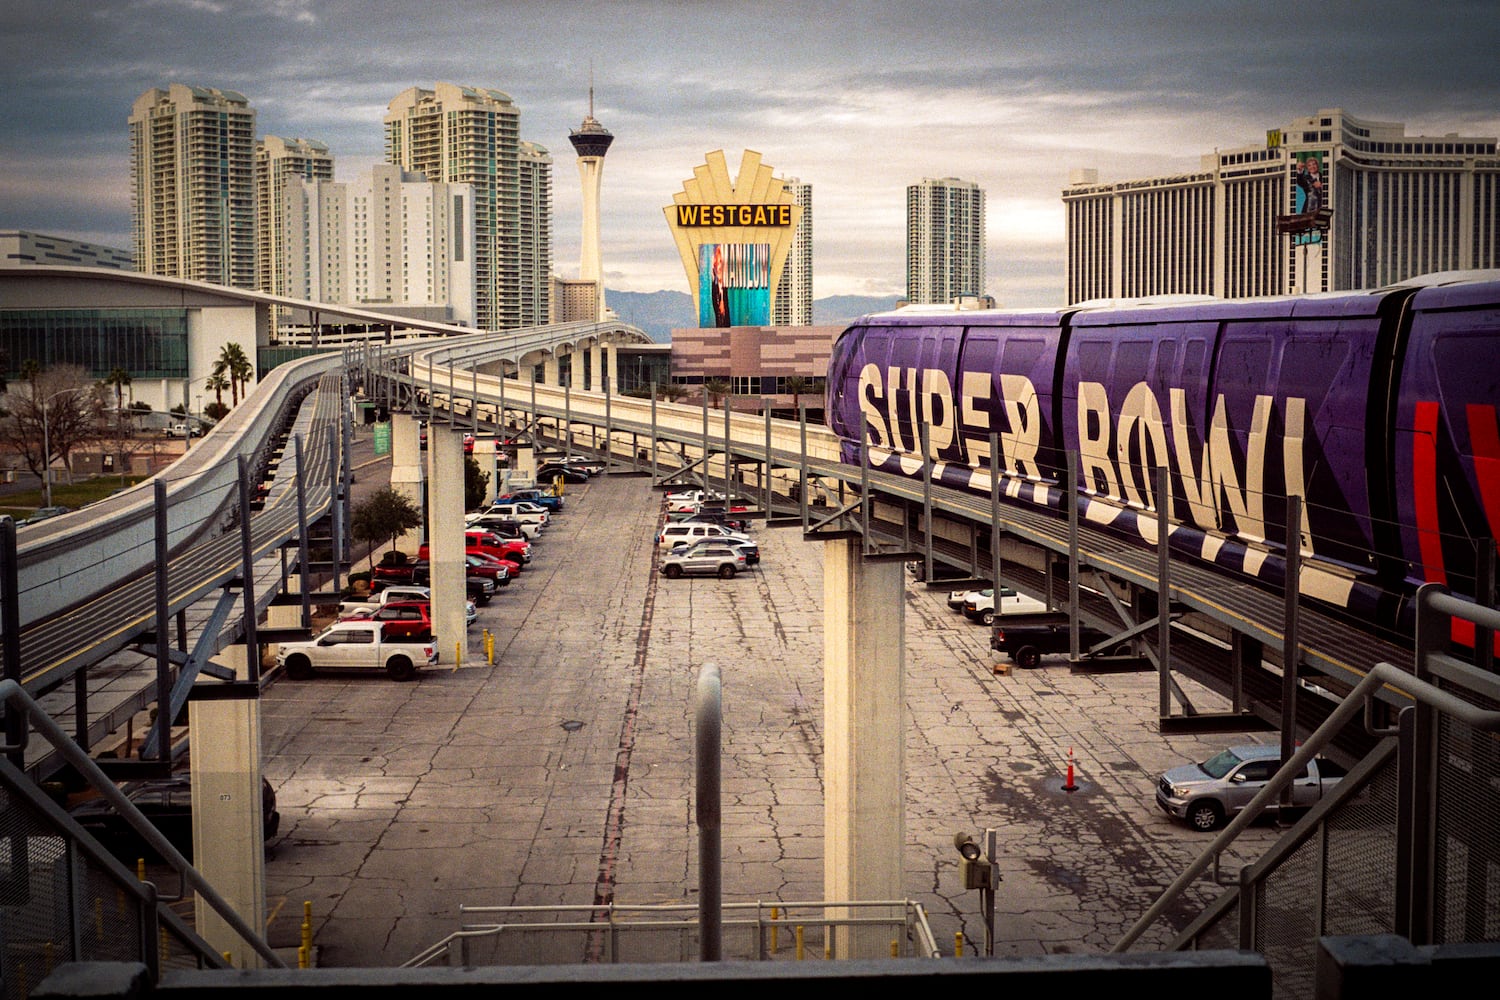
{"x": 15, "y": 698}
{"x": 1380, "y": 674}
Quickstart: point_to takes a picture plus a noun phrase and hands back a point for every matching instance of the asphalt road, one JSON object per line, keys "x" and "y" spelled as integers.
{"x": 562, "y": 772}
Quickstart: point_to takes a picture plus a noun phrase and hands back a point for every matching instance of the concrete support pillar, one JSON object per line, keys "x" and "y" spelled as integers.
{"x": 864, "y": 737}
{"x": 612, "y": 355}
{"x": 575, "y": 370}
{"x": 550, "y": 371}
{"x": 228, "y": 834}
{"x": 445, "y": 498}
{"x": 406, "y": 472}
{"x": 487, "y": 452}
{"x": 596, "y": 367}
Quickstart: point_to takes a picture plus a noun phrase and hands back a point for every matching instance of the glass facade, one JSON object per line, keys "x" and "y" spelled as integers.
{"x": 145, "y": 343}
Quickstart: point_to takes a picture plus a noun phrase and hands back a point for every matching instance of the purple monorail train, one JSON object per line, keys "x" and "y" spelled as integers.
{"x": 1378, "y": 408}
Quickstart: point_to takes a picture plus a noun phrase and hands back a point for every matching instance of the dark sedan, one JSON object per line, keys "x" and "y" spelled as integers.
{"x": 569, "y": 474}
{"x": 168, "y": 804}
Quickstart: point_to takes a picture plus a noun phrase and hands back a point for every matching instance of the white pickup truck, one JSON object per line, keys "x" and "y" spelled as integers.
{"x": 355, "y": 645}
{"x": 182, "y": 431}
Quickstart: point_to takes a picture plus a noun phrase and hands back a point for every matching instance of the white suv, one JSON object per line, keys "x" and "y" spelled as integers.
{"x": 686, "y": 531}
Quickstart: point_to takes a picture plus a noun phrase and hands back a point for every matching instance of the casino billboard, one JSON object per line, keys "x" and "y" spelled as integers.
{"x": 734, "y": 237}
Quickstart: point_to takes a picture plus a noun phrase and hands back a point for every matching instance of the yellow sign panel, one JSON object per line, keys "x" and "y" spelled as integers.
{"x": 734, "y": 237}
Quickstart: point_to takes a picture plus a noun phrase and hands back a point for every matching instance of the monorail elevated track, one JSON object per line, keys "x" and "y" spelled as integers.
{"x": 1228, "y": 633}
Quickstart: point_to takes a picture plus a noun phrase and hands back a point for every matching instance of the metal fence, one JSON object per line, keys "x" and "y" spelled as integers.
{"x": 61, "y": 901}
{"x": 621, "y": 933}
{"x": 1405, "y": 845}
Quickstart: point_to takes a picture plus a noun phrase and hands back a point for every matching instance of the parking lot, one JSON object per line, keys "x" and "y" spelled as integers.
{"x": 562, "y": 773}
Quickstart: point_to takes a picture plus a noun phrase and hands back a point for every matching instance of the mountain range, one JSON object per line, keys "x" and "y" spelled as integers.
{"x": 658, "y": 313}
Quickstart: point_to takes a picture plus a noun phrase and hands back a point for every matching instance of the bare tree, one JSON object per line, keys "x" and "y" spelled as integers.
{"x": 57, "y": 411}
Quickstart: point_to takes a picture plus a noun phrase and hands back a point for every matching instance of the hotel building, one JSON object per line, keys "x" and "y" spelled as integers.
{"x": 793, "y": 304}
{"x": 1400, "y": 206}
{"x": 279, "y": 162}
{"x": 192, "y": 187}
{"x": 468, "y": 135}
{"x": 389, "y": 240}
{"x": 944, "y": 240}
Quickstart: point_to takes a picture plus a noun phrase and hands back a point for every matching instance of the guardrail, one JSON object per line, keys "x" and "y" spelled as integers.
{"x": 1388, "y": 851}
{"x": 614, "y": 933}
{"x": 63, "y": 937}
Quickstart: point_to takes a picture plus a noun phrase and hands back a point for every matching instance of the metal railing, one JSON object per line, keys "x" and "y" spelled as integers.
{"x": 66, "y": 899}
{"x": 618, "y": 933}
{"x": 1403, "y": 844}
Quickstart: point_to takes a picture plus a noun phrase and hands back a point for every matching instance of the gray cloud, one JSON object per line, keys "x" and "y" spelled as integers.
{"x": 860, "y": 100}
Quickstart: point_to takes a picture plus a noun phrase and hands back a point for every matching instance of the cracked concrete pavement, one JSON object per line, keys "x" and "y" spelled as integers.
{"x": 563, "y": 773}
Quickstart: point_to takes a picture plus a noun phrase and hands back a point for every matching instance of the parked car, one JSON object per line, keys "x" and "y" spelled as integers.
{"x": 703, "y": 517}
{"x": 410, "y": 619}
{"x": 505, "y": 527}
{"x": 1025, "y": 638}
{"x": 42, "y": 513}
{"x": 719, "y": 560}
{"x": 394, "y": 569}
{"x": 592, "y": 466}
{"x": 478, "y": 569}
{"x": 520, "y": 510}
{"x": 694, "y": 494}
{"x": 1207, "y": 793}
{"x": 510, "y": 561}
{"x": 401, "y": 619}
{"x": 673, "y": 533}
{"x": 181, "y": 431}
{"x": 542, "y": 498}
{"x": 748, "y": 549}
{"x": 555, "y": 470}
{"x": 168, "y": 804}
{"x": 979, "y": 605}
{"x": 370, "y": 603}
{"x": 355, "y": 645}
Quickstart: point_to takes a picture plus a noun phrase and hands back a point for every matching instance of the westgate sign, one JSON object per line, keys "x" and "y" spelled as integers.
{"x": 734, "y": 215}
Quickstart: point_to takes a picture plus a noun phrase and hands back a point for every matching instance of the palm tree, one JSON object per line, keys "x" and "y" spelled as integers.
{"x": 217, "y": 381}
{"x": 797, "y": 385}
{"x": 717, "y": 388}
{"x": 238, "y": 367}
{"x": 118, "y": 379}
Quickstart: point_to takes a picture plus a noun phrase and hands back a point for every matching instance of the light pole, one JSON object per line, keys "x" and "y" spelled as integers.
{"x": 47, "y": 446}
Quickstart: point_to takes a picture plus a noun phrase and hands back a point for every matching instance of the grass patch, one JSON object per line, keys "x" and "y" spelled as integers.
{"x": 74, "y": 495}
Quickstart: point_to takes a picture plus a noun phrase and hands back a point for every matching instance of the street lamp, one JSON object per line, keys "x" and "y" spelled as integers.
{"x": 47, "y": 445}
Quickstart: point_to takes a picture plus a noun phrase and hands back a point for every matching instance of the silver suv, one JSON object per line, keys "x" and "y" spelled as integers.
{"x": 1206, "y": 794}
{"x": 720, "y": 560}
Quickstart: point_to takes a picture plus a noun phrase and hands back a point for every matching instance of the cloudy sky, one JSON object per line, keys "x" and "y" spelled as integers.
{"x": 859, "y": 99}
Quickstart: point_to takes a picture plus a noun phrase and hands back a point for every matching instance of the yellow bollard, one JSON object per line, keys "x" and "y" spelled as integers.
{"x": 140, "y": 869}
{"x": 801, "y": 954}
{"x": 895, "y": 949}
{"x": 458, "y": 655}
{"x": 166, "y": 947}
{"x": 49, "y": 955}
{"x": 775, "y": 912}
{"x": 958, "y": 945}
{"x": 304, "y": 953}
{"x": 228, "y": 958}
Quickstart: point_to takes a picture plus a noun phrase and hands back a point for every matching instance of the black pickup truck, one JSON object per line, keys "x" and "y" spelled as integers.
{"x": 1025, "y": 638}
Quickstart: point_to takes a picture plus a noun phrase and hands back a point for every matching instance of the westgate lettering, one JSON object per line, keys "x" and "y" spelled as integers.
{"x": 692, "y": 216}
